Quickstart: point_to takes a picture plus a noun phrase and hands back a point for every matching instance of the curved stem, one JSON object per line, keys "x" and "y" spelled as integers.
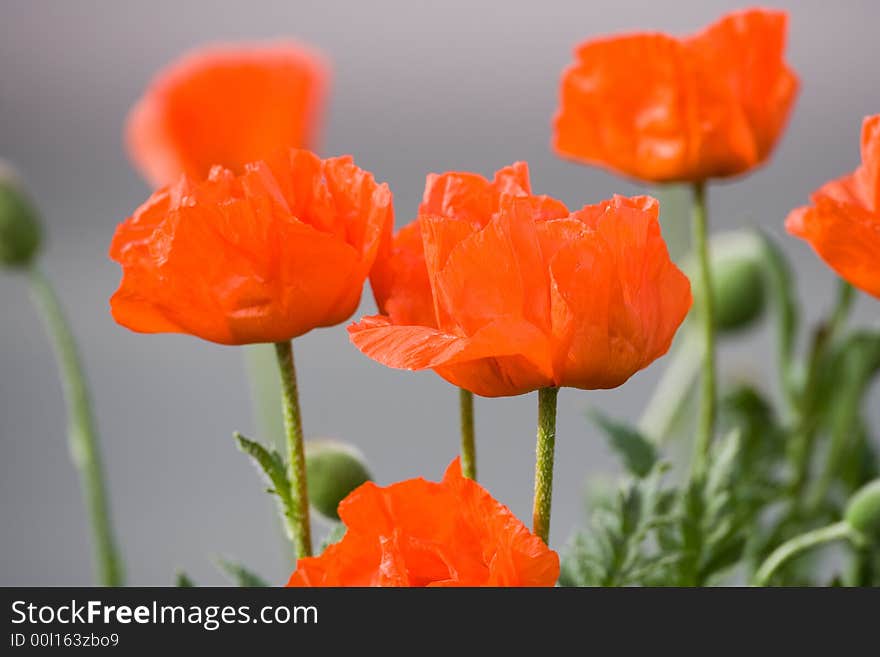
{"x": 468, "y": 443}
{"x": 82, "y": 430}
{"x": 837, "y": 531}
{"x": 708, "y": 401}
{"x": 300, "y": 529}
{"x": 544, "y": 452}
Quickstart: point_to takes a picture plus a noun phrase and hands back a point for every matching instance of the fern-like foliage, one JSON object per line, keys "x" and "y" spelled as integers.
{"x": 615, "y": 550}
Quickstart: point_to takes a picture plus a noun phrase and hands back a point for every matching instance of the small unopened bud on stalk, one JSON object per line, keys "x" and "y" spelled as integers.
{"x": 334, "y": 469}
{"x": 20, "y": 233}
{"x": 738, "y": 284}
{"x": 863, "y": 511}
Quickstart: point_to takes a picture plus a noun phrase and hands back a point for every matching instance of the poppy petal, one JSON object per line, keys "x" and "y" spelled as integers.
{"x": 421, "y": 533}
{"x": 843, "y": 223}
{"x": 470, "y": 197}
{"x": 261, "y": 257}
{"x": 660, "y": 108}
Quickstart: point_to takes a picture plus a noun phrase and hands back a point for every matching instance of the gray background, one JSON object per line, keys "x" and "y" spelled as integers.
{"x": 418, "y": 87}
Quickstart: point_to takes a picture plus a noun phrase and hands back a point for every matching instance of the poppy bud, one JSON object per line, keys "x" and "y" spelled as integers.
{"x": 20, "y": 233}
{"x": 334, "y": 469}
{"x": 863, "y": 510}
{"x": 737, "y": 281}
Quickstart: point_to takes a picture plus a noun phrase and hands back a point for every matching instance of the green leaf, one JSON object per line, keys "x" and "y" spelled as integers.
{"x": 744, "y": 409}
{"x": 270, "y": 462}
{"x": 616, "y": 550}
{"x": 638, "y": 453}
{"x": 853, "y": 364}
{"x": 240, "y": 575}
{"x": 860, "y": 356}
{"x": 271, "y": 465}
{"x": 182, "y": 581}
{"x": 714, "y": 517}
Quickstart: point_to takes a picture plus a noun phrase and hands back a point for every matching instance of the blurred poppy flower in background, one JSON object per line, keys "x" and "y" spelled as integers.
{"x": 663, "y": 109}
{"x": 262, "y": 257}
{"x": 226, "y": 105}
{"x": 843, "y": 222}
{"x": 420, "y": 533}
{"x": 536, "y": 296}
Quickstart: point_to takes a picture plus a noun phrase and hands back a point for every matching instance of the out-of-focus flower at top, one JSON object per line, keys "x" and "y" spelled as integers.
{"x": 528, "y": 295}
{"x": 843, "y": 222}
{"x": 229, "y": 106}
{"x": 265, "y": 256}
{"x": 662, "y": 109}
{"x": 421, "y": 533}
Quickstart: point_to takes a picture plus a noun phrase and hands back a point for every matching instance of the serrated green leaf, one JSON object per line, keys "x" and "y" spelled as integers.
{"x": 271, "y": 466}
{"x": 269, "y": 462}
{"x": 615, "y": 551}
{"x": 240, "y": 575}
{"x": 638, "y": 453}
{"x": 856, "y": 361}
{"x": 762, "y": 446}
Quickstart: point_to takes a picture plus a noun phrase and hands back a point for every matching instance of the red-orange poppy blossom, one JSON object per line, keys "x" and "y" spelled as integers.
{"x": 530, "y": 295}
{"x": 661, "y": 109}
{"x": 843, "y": 222}
{"x": 400, "y": 278}
{"x": 264, "y": 256}
{"x": 227, "y": 105}
{"x": 421, "y": 533}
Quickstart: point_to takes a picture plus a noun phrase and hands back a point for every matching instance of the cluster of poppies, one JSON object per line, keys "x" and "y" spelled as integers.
{"x": 251, "y": 238}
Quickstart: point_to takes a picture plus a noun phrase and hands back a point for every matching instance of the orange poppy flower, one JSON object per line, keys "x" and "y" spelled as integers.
{"x": 261, "y": 257}
{"x": 400, "y": 277}
{"x": 662, "y": 109}
{"x": 420, "y": 533}
{"x": 534, "y": 296}
{"x": 226, "y": 105}
{"x": 843, "y": 223}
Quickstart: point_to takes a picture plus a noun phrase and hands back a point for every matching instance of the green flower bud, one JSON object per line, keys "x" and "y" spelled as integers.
{"x": 334, "y": 469}
{"x": 738, "y": 287}
{"x": 863, "y": 510}
{"x": 20, "y": 233}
